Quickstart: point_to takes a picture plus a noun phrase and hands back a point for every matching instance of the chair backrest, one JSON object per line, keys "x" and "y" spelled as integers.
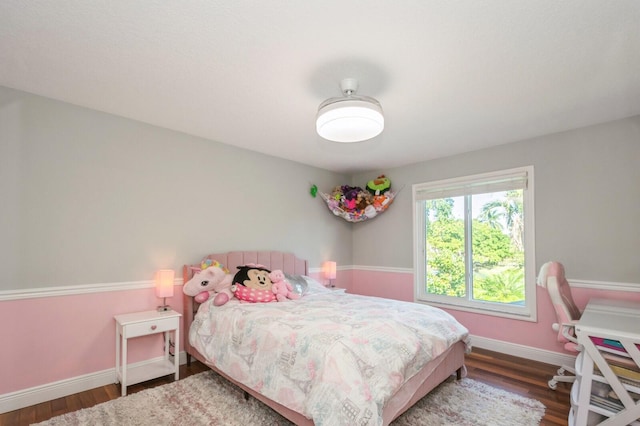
{"x": 552, "y": 277}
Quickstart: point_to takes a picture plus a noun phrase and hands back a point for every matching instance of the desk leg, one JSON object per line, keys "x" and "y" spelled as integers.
{"x": 584, "y": 397}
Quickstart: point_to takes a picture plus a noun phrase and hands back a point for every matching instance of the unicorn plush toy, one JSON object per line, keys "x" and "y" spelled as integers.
{"x": 212, "y": 280}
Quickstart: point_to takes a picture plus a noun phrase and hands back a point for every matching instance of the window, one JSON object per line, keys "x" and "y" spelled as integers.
{"x": 474, "y": 245}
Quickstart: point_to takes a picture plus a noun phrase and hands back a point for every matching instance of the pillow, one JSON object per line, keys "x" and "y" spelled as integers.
{"x": 298, "y": 283}
{"x": 314, "y": 286}
{"x": 252, "y": 284}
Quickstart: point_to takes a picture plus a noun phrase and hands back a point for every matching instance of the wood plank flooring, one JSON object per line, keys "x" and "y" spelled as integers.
{"x": 524, "y": 377}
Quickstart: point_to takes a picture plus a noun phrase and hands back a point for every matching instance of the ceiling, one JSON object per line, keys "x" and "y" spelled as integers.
{"x": 452, "y": 76}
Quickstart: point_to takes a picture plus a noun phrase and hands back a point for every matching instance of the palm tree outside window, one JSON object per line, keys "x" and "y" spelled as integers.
{"x": 474, "y": 243}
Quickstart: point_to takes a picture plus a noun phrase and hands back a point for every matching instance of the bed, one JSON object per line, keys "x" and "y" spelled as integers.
{"x": 322, "y": 359}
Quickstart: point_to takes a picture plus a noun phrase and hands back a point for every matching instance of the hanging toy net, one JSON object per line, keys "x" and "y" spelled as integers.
{"x": 355, "y": 204}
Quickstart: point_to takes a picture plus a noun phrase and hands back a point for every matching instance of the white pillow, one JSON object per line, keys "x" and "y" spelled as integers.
{"x": 314, "y": 286}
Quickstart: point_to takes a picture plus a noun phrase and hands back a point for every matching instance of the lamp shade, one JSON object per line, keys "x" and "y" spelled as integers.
{"x": 164, "y": 282}
{"x": 329, "y": 270}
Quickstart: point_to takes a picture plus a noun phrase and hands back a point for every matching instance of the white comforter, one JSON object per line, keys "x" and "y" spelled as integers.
{"x": 334, "y": 357}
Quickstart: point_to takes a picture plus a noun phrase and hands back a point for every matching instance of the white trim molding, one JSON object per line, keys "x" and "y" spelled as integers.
{"x": 70, "y": 290}
{"x": 382, "y": 269}
{"x": 604, "y": 285}
{"x": 339, "y": 268}
{"x": 590, "y": 284}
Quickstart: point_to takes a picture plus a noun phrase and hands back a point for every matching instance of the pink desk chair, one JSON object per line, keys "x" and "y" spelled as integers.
{"x": 567, "y": 313}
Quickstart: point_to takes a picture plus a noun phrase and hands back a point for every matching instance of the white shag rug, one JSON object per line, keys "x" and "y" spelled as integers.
{"x": 208, "y": 399}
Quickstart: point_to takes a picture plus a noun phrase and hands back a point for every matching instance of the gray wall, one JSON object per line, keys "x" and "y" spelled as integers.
{"x": 587, "y": 201}
{"x": 88, "y": 197}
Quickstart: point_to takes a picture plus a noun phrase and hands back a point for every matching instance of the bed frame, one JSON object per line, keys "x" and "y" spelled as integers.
{"x": 434, "y": 373}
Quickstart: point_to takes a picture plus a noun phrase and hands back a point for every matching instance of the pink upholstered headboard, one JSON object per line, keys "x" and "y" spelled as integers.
{"x": 286, "y": 262}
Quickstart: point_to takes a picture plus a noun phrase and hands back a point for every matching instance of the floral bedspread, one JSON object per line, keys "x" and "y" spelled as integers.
{"x": 334, "y": 357}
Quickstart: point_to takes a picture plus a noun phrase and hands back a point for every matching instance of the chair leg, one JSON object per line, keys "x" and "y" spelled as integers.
{"x": 553, "y": 383}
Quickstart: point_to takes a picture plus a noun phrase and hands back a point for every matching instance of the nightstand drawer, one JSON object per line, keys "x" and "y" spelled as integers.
{"x": 150, "y": 327}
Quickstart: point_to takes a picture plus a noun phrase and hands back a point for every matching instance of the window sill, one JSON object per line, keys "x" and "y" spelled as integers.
{"x": 447, "y": 306}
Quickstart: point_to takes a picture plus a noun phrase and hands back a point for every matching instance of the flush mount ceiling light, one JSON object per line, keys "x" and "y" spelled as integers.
{"x": 350, "y": 118}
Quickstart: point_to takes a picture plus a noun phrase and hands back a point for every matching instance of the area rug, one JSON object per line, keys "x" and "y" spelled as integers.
{"x": 208, "y": 399}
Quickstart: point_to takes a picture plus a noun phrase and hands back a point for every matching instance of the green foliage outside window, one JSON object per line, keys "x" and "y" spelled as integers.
{"x": 497, "y": 246}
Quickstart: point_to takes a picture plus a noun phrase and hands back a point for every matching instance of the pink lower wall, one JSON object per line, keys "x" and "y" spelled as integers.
{"x": 533, "y": 334}
{"x": 49, "y": 339}
{"x": 46, "y": 340}
{"x": 55, "y": 338}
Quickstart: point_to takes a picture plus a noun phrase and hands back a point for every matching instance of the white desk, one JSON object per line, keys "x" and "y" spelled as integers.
{"x": 615, "y": 320}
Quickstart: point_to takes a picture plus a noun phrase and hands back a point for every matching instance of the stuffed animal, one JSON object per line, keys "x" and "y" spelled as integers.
{"x": 350, "y": 197}
{"x": 380, "y": 202}
{"x": 337, "y": 194}
{"x": 379, "y": 185}
{"x": 213, "y": 281}
{"x": 253, "y": 284}
{"x": 370, "y": 212}
{"x": 284, "y": 291}
{"x": 276, "y": 276}
{"x": 349, "y": 204}
{"x": 281, "y": 287}
{"x": 364, "y": 199}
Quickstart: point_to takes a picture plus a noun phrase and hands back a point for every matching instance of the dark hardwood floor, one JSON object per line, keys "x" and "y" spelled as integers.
{"x": 524, "y": 377}
{"x": 521, "y": 376}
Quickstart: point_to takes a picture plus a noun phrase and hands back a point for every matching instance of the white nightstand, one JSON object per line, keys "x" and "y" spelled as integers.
{"x": 143, "y": 324}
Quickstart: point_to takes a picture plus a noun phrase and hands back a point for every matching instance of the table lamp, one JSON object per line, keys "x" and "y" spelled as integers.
{"x": 164, "y": 287}
{"x": 329, "y": 271}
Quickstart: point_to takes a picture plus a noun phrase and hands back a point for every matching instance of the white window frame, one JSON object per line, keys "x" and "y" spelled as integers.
{"x": 475, "y": 184}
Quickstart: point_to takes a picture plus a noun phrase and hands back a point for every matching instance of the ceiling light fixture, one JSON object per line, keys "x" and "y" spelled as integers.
{"x": 350, "y": 118}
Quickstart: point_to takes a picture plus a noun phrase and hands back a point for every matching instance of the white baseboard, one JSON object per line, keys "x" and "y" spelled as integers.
{"x": 50, "y": 391}
{"x": 527, "y": 352}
